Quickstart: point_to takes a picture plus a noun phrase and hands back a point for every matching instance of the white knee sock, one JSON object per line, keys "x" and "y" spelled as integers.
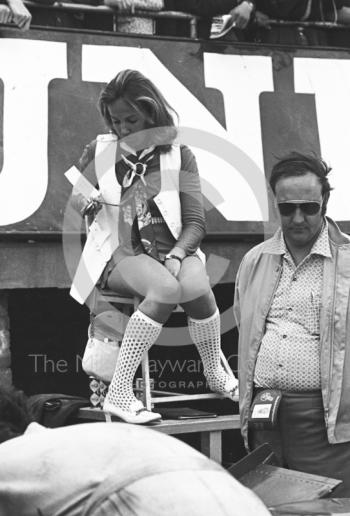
{"x": 141, "y": 332}
{"x": 206, "y": 336}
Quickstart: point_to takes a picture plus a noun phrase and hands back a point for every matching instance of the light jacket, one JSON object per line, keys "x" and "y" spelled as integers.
{"x": 102, "y": 237}
{"x": 256, "y": 282}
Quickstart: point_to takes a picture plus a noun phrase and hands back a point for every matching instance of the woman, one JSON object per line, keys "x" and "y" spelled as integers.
{"x": 152, "y": 202}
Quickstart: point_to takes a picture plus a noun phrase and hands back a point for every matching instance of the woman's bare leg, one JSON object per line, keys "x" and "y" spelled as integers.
{"x": 145, "y": 277}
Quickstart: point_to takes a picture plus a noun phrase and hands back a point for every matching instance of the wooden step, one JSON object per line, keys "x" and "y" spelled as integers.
{"x": 210, "y": 429}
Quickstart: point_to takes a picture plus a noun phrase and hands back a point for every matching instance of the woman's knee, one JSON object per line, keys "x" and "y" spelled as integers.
{"x": 194, "y": 288}
{"x": 201, "y": 307}
{"x": 167, "y": 291}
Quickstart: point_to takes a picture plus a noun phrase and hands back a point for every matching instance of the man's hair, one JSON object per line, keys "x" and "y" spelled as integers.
{"x": 145, "y": 98}
{"x": 15, "y": 414}
{"x": 298, "y": 164}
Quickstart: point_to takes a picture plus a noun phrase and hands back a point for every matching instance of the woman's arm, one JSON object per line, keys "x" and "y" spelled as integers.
{"x": 192, "y": 211}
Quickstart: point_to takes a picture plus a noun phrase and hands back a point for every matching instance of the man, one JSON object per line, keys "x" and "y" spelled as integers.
{"x": 324, "y": 10}
{"x": 99, "y": 469}
{"x": 240, "y": 12}
{"x": 292, "y": 308}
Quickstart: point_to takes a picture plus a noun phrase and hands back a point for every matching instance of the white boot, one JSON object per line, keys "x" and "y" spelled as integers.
{"x": 141, "y": 332}
{"x": 206, "y": 336}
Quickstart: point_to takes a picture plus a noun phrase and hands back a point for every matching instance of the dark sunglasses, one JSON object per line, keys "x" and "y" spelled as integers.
{"x": 307, "y": 207}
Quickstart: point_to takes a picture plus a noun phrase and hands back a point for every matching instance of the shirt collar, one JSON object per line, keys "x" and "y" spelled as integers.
{"x": 277, "y": 245}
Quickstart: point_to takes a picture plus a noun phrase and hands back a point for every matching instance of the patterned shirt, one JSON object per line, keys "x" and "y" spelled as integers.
{"x": 289, "y": 357}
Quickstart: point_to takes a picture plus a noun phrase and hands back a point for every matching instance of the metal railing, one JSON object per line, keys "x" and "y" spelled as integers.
{"x": 172, "y": 15}
{"x": 307, "y": 24}
{"x": 103, "y": 9}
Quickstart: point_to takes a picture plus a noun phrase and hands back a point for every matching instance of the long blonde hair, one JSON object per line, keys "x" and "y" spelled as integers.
{"x": 143, "y": 96}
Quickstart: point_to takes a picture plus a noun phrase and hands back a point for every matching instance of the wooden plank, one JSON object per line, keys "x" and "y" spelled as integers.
{"x": 175, "y": 426}
{"x": 175, "y": 397}
{"x": 210, "y": 429}
{"x": 181, "y": 426}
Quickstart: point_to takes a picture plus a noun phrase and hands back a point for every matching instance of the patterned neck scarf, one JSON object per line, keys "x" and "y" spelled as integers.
{"x": 137, "y": 168}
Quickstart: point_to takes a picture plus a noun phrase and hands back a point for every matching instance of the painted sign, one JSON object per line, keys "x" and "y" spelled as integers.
{"x": 263, "y": 101}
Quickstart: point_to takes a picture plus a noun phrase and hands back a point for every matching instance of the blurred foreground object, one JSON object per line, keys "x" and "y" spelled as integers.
{"x": 98, "y": 469}
{"x": 17, "y": 13}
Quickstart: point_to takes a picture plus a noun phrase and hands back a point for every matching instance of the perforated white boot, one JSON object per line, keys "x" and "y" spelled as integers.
{"x": 141, "y": 332}
{"x": 206, "y": 336}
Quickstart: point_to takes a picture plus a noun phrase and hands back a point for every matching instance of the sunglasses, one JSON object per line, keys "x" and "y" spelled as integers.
{"x": 287, "y": 208}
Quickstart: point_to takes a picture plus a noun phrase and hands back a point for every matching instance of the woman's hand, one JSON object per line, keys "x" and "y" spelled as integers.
{"x": 173, "y": 266}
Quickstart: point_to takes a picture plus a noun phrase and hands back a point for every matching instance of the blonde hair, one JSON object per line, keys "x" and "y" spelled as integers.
{"x": 143, "y": 96}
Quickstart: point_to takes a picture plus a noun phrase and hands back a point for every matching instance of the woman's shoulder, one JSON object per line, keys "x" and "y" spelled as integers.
{"x": 185, "y": 151}
{"x": 91, "y": 147}
{"x": 188, "y": 159}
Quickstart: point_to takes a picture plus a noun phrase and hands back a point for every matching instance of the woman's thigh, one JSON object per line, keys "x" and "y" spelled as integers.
{"x": 143, "y": 276}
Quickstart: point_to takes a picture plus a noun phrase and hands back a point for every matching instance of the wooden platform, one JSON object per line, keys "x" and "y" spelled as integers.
{"x": 210, "y": 429}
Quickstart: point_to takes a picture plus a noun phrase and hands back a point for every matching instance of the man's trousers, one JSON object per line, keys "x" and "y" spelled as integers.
{"x": 300, "y": 442}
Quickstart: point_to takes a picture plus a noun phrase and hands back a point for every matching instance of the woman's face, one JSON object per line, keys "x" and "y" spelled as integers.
{"x": 125, "y": 119}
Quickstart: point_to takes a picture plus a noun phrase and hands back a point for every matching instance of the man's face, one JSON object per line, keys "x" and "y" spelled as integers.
{"x": 300, "y": 229}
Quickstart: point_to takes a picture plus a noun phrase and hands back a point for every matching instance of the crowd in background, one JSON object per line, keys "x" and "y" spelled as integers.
{"x": 244, "y": 20}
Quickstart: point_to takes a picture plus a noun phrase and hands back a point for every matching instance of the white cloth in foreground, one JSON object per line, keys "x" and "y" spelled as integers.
{"x": 97, "y": 469}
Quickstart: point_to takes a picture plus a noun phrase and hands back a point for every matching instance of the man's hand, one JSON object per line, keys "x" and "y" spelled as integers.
{"x": 5, "y": 14}
{"x": 241, "y": 14}
{"x": 262, "y": 20}
{"x": 20, "y": 14}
